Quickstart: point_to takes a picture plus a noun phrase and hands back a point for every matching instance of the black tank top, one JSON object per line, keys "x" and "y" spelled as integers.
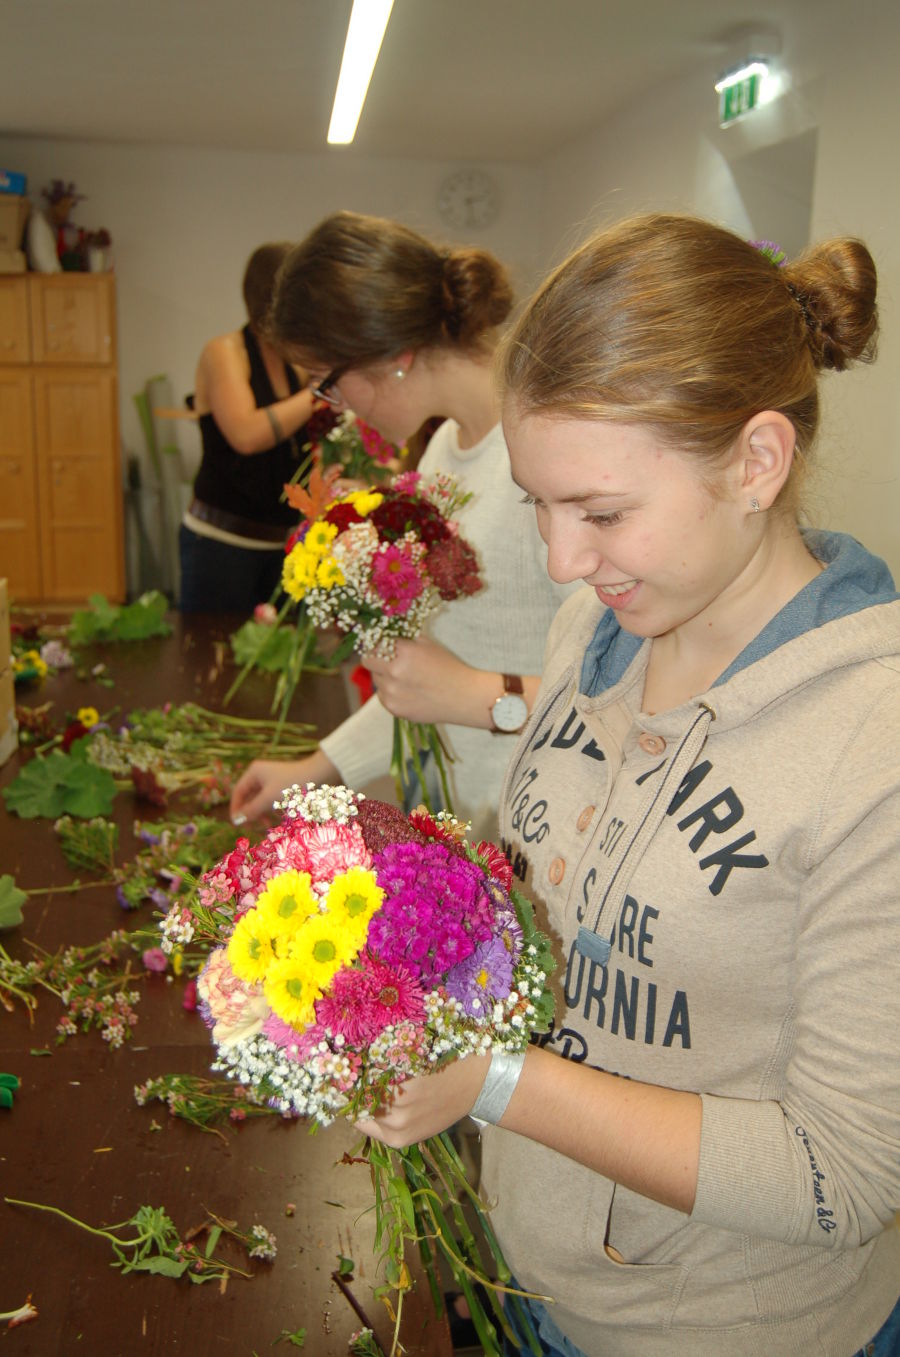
{"x": 250, "y": 486}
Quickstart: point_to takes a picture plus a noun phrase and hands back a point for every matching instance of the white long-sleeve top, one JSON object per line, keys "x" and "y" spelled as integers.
{"x": 503, "y": 627}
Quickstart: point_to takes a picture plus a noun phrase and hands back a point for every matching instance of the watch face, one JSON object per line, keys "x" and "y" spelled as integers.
{"x": 509, "y": 712}
{"x": 468, "y": 198}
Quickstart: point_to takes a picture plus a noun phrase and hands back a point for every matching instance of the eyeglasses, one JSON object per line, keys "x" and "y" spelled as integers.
{"x": 325, "y": 391}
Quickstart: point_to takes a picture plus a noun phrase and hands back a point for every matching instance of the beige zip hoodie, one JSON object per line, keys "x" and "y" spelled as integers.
{"x": 732, "y": 870}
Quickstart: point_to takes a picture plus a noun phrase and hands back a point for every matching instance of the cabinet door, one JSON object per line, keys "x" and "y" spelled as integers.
{"x": 19, "y": 534}
{"x": 72, "y": 318}
{"x": 80, "y": 484}
{"x": 15, "y": 340}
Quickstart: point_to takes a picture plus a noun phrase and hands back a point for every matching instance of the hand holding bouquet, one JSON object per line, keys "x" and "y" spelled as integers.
{"x": 353, "y": 948}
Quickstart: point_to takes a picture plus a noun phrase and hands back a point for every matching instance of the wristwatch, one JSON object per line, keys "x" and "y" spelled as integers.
{"x": 510, "y": 711}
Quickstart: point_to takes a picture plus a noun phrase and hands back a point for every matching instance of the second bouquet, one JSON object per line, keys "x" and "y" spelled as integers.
{"x": 374, "y": 565}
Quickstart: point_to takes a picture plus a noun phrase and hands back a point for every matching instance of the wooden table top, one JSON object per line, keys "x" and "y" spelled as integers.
{"x": 76, "y": 1139}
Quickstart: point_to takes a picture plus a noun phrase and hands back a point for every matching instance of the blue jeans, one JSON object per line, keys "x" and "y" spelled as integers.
{"x": 219, "y": 578}
{"x": 886, "y": 1342}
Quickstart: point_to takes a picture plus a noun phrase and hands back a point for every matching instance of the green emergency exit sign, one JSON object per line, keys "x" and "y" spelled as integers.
{"x": 738, "y": 99}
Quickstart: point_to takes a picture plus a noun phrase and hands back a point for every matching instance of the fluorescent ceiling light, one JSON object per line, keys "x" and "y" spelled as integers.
{"x": 742, "y": 73}
{"x": 368, "y": 20}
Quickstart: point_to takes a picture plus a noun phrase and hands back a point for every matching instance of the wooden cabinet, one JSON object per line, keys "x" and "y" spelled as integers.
{"x": 61, "y": 534}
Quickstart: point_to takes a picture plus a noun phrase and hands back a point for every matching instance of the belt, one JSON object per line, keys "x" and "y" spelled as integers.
{"x": 235, "y": 523}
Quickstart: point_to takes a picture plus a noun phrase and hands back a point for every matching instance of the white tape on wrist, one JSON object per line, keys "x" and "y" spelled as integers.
{"x": 499, "y": 1086}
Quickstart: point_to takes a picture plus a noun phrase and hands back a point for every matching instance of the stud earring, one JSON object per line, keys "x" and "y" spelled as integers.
{"x": 754, "y": 505}
{"x": 399, "y": 374}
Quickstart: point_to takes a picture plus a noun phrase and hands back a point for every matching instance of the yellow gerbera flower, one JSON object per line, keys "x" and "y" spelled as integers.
{"x": 251, "y": 948}
{"x": 286, "y": 903}
{"x": 364, "y": 501}
{"x": 329, "y": 573}
{"x": 319, "y": 537}
{"x": 322, "y": 946}
{"x": 291, "y": 992}
{"x": 88, "y": 716}
{"x": 298, "y": 574}
{"x": 353, "y": 897}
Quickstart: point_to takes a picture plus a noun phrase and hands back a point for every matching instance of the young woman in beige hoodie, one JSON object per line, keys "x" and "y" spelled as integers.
{"x": 702, "y": 1159}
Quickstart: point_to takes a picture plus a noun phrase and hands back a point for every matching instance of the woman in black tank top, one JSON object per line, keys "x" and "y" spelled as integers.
{"x": 252, "y": 407}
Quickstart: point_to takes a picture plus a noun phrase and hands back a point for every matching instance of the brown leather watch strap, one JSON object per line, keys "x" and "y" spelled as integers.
{"x": 512, "y": 683}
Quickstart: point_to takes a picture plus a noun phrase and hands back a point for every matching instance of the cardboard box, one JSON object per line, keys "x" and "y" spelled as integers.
{"x": 14, "y": 212}
{"x": 5, "y": 646}
{"x": 12, "y": 261}
{"x": 9, "y": 730}
{"x": 12, "y": 182}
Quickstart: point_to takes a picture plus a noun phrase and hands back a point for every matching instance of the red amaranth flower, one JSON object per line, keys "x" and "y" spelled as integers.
{"x": 453, "y": 568}
{"x": 382, "y": 824}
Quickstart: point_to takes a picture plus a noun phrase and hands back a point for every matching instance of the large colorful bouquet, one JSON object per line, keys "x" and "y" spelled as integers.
{"x": 353, "y": 948}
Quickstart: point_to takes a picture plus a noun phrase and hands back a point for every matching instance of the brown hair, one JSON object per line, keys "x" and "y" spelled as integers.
{"x": 259, "y": 279}
{"x": 359, "y": 289}
{"x": 679, "y": 325}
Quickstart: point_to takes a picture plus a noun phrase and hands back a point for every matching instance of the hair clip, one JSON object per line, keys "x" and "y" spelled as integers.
{"x": 774, "y": 252}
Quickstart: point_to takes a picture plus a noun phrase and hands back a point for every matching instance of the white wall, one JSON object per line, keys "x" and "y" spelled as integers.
{"x": 184, "y": 221}
{"x": 822, "y": 158}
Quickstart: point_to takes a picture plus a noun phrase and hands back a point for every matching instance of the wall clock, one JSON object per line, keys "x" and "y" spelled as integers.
{"x": 468, "y": 198}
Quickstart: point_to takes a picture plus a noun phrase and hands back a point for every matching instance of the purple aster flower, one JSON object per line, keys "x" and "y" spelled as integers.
{"x": 147, "y": 836}
{"x": 484, "y": 976}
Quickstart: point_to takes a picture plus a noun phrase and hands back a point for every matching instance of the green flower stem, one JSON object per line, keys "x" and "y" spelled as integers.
{"x": 102, "y": 1234}
{"x": 245, "y": 670}
{"x": 439, "y": 753}
{"x": 73, "y": 886}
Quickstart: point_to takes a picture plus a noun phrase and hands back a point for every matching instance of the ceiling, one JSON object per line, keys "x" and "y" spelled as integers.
{"x": 457, "y": 79}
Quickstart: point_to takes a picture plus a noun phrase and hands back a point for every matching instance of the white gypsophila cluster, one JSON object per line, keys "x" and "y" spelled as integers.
{"x": 310, "y": 1089}
{"x": 177, "y": 929}
{"x": 319, "y": 803}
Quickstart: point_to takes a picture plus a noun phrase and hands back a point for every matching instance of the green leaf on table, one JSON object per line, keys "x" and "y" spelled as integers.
{"x": 164, "y": 1267}
{"x": 265, "y": 646}
{"x": 11, "y": 902}
{"x": 345, "y": 1266}
{"x": 104, "y": 621}
{"x": 60, "y": 784}
{"x": 215, "y": 1235}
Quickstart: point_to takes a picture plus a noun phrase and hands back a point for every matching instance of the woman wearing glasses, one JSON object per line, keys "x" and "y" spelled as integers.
{"x": 252, "y": 407}
{"x": 399, "y": 330}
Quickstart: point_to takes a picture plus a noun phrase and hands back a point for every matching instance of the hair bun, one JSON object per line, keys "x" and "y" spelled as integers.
{"x": 835, "y": 285}
{"x": 475, "y": 292}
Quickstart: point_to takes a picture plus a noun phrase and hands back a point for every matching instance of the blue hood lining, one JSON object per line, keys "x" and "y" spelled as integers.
{"x": 853, "y": 579}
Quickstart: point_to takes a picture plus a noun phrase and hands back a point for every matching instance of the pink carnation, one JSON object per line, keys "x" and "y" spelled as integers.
{"x": 332, "y": 848}
{"x": 237, "y": 1010}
